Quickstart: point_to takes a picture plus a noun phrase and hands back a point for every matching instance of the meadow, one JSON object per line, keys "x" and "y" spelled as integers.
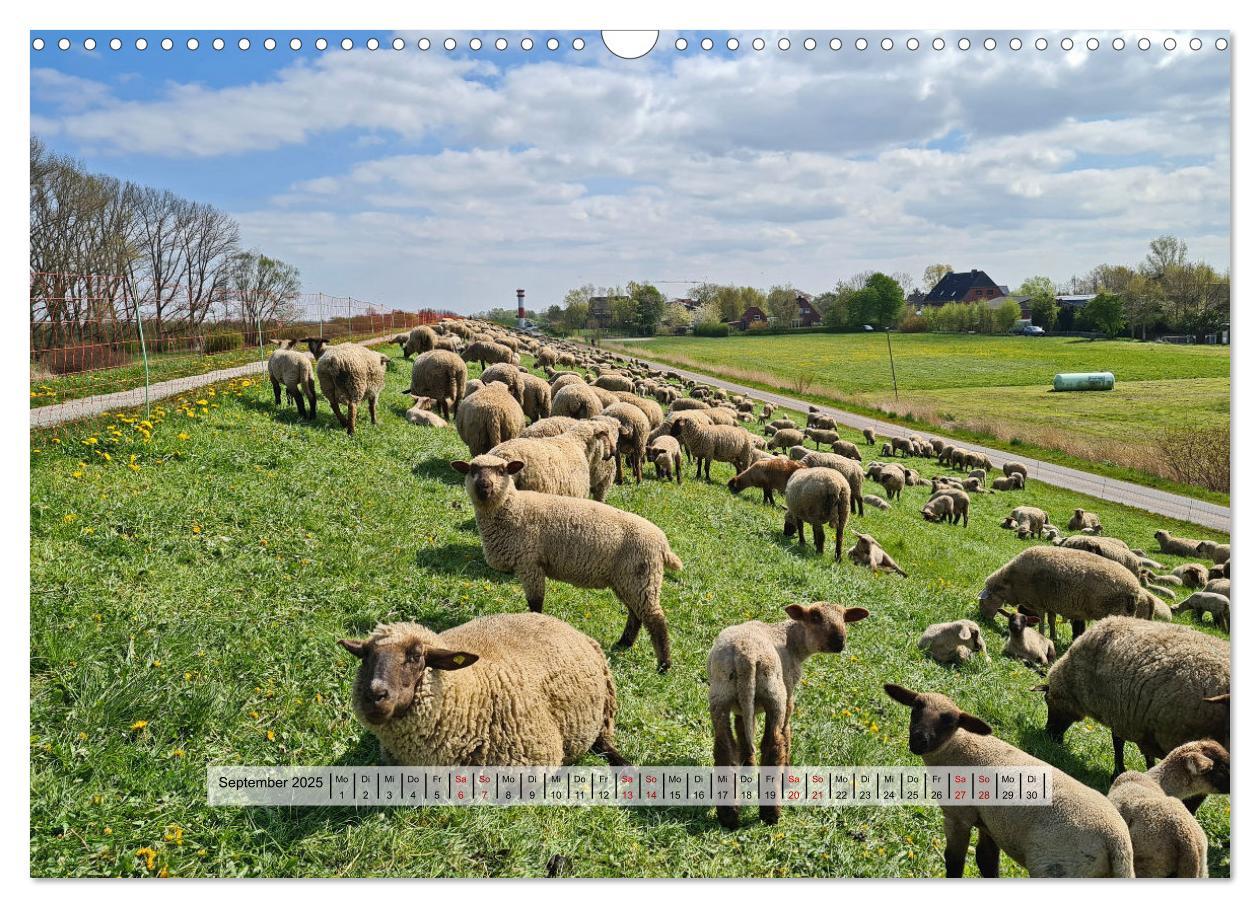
{"x": 991, "y": 390}
{"x": 192, "y": 572}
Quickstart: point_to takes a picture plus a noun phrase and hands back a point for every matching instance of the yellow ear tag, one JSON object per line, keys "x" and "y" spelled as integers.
{"x": 458, "y": 660}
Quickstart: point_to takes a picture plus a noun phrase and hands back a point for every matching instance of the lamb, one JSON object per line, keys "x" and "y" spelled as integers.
{"x": 769, "y": 475}
{"x": 421, "y": 413}
{"x": 1083, "y": 521}
{"x": 442, "y": 375}
{"x": 1217, "y": 551}
{"x": 725, "y": 444}
{"x": 1159, "y": 685}
{"x": 1025, "y": 643}
{"x": 893, "y": 479}
{"x": 1078, "y": 834}
{"x": 632, "y": 437}
{"x": 349, "y": 374}
{"x": 1011, "y": 467}
{"x": 421, "y": 339}
{"x": 876, "y": 502}
{"x": 586, "y": 543}
{"x": 666, "y": 454}
{"x": 1109, "y": 547}
{"x": 820, "y": 437}
{"x": 953, "y": 641}
{"x": 1193, "y": 576}
{"x": 869, "y": 435}
{"x": 851, "y": 470}
{"x": 1192, "y": 771}
{"x": 847, "y": 449}
{"x": 753, "y": 668}
{"x": 820, "y": 497}
{"x": 295, "y": 371}
{"x": 509, "y": 376}
{"x": 786, "y": 438}
{"x": 1008, "y": 484}
{"x": 1049, "y": 582}
{"x": 488, "y": 352}
{"x": 869, "y": 553}
{"x": 1028, "y": 522}
{"x": 1219, "y": 571}
{"x": 1205, "y": 603}
{"x": 488, "y": 418}
{"x": 1175, "y": 545}
{"x": 1167, "y": 842}
{"x": 556, "y": 465}
{"x": 576, "y": 400}
{"x": 940, "y": 509}
{"x": 500, "y": 690}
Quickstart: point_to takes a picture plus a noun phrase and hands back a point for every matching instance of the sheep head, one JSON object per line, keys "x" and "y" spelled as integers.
{"x": 934, "y": 719}
{"x": 486, "y": 478}
{"x": 392, "y": 663}
{"x": 820, "y": 627}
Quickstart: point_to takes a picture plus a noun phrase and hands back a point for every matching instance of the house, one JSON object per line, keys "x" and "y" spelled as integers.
{"x": 808, "y": 315}
{"x": 687, "y": 303}
{"x": 963, "y": 287}
{"x": 751, "y": 316}
{"x": 599, "y": 315}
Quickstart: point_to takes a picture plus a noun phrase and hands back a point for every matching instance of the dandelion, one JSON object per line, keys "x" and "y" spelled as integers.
{"x": 108, "y": 830}
{"x": 271, "y": 735}
{"x": 91, "y": 441}
{"x": 70, "y": 518}
{"x": 183, "y": 436}
{"x": 149, "y": 855}
{"x": 196, "y": 529}
{"x": 174, "y": 833}
{"x": 139, "y": 724}
{"x": 157, "y": 663}
{"x": 105, "y": 456}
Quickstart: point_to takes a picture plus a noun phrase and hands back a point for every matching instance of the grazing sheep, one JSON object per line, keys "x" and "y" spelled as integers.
{"x": 753, "y": 668}
{"x": 1028, "y": 522}
{"x": 509, "y": 376}
{"x": 1218, "y": 585}
{"x": 1025, "y": 643}
{"x": 945, "y": 454}
{"x": 1083, "y": 521}
{"x": 1159, "y": 685}
{"x": 1011, "y": 467}
{"x": 441, "y": 375}
{"x": 707, "y": 443}
{"x": 876, "y": 502}
{"x": 1008, "y": 483}
{"x": 488, "y": 418}
{"x": 953, "y": 641}
{"x": 586, "y": 543}
{"x": 1217, "y": 551}
{"x": 651, "y": 409}
{"x": 886, "y": 450}
{"x": 349, "y": 374}
{"x": 940, "y": 509}
{"x": 820, "y": 497}
{"x": 851, "y": 470}
{"x": 1205, "y": 603}
{"x": 687, "y": 403}
{"x": 632, "y": 437}
{"x": 893, "y": 479}
{"x": 770, "y": 476}
{"x": 536, "y": 400}
{"x": 501, "y": 690}
{"x": 666, "y": 454}
{"x": 1049, "y": 582}
{"x": 488, "y": 352}
{"x": 1112, "y": 548}
{"x": 869, "y": 435}
{"x": 1078, "y": 834}
{"x": 578, "y": 401}
{"x": 868, "y": 552}
{"x": 847, "y": 449}
{"x": 563, "y": 380}
{"x": 786, "y": 438}
{"x": 421, "y": 413}
{"x": 295, "y": 371}
{"x": 980, "y": 474}
{"x": 421, "y": 339}
{"x": 820, "y": 437}
{"x": 612, "y": 381}
{"x": 1175, "y": 545}
{"x": 1193, "y": 576}
{"x": 1219, "y": 571}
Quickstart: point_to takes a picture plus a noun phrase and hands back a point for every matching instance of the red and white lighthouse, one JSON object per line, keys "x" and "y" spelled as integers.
{"x": 520, "y": 308}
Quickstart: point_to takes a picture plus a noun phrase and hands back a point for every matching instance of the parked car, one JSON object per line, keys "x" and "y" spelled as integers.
{"x": 1033, "y": 331}
{"x": 867, "y": 328}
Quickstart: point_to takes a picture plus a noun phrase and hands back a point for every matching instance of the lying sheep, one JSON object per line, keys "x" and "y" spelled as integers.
{"x": 770, "y": 476}
{"x": 1012, "y": 467}
{"x": 586, "y": 543}
{"x": 1159, "y": 685}
{"x": 1175, "y": 545}
{"x": 1077, "y": 834}
{"x": 1008, "y": 484}
{"x": 876, "y": 502}
{"x": 1204, "y": 603}
{"x": 294, "y": 370}
{"x": 441, "y": 375}
{"x": 1049, "y": 582}
{"x": 421, "y": 413}
{"x": 707, "y": 443}
{"x": 869, "y": 435}
{"x": 820, "y": 497}
{"x": 1028, "y": 522}
{"x": 1218, "y": 571}
{"x": 753, "y": 668}
{"x": 980, "y": 475}
{"x": 1193, "y": 576}
{"x": 847, "y": 449}
{"x": 867, "y": 552}
{"x": 1083, "y": 521}
{"x": 1024, "y": 642}
{"x": 953, "y": 641}
{"x": 349, "y": 374}
{"x": 501, "y": 690}
{"x": 1217, "y": 551}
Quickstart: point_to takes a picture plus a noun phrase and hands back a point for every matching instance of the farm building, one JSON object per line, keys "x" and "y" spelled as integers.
{"x": 808, "y": 314}
{"x": 752, "y": 315}
{"x": 600, "y": 314}
{"x": 963, "y": 287}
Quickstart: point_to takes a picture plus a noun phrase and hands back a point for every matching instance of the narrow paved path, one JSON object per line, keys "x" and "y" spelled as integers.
{"x": 86, "y": 407}
{"x": 1182, "y": 507}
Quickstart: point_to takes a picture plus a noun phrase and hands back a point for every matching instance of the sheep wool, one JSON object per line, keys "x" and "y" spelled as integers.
{"x": 349, "y": 374}
{"x": 442, "y": 375}
{"x": 488, "y": 418}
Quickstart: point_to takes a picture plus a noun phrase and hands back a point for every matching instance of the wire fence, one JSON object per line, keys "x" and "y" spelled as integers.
{"x": 99, "y": 344}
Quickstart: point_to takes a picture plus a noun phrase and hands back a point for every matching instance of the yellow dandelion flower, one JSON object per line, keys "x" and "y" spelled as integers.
{"x": 92, "y": 441}
{"x": 253, "y": 713}
{"x": 202, "y": 402}
{"x": 70, "y": 518}
{"x": 133, "y": 467}
{"x": 139, "y": 724}
{"x": 105, "y": 455}
{"x": 108, "y": 830}
{"x": 149, "y": 855}
{"x": 183, "y": 436}
{"x": 164, "y": 873}
{"x": 271, "y": 735}
{"x": 157, "y": 663}
{"x": 196, "y": 529}
{"x": 77, "y": 474}
{"x": 187, "y": 676}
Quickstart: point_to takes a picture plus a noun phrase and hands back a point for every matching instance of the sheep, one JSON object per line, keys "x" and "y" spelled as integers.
{"x": 1083, "y": 521}
{"x": 1193, "y": 576}
{"x": 551, "y": 426}
{"x": 875, "y": 501}
{"x": 1218, "y": 585}
{"x": 821, "y": 437}
{"x": 847, "y": 449}
{"x": 666, "y": 454}
{"x": 1077, "y": 834}
{"x": 1114, "y": 549}
{"x": 632, "y": 437}
{"x": 753, "y": 668}
{"x": 936, "y": 444}
{"x": 651, "y": 409}
{"x": 719, "y": 416}
{"x": 1192, "y": 771}
{"x": 500, "y": 690}
{"x": 1028, "y": 522}
{"x": 420, "y": 340}
{"x": 686, "y": 403}
{"x": 818, "y": 496}
{"x": 472, "y": 387}
{"x": 869, "y": 436}
{"x": 725, "y": 444}
{"x": 1008, "y": 484}
{"x": 980, "y": 474}
{"x": 488, "y": 418}
{"x": 940, "y": 509}
{"x": 869, "y": 553}
{"x": 1217, "y": 551}
{"x": 586, "y": 543}
{"x": 1219, "y": 571}
{"x": 851, "y": 470}
{"x": 893, "y": 479}
{"x": 441, "y": 375}
{"x": 945, "y": 454}
{"x": 1175, "y": 545}
{"x": 421, "y": 413}
{"x": 564, "y": 379}
{"x": 295, "y": 371}
{"x": 488, "y": 352}
{"x": 768, "y": 475}
{"x": 509, "y": 376}
{"x": 349, "y": 374}
{"x": 576, "y": 400}
{"x": 786, "y": 438}
{"x": 1025, "y": 643}
{"x": 546, "y": 357}
{"x": 899, "y": 446}
{"x": 1206, "y": 603}
{"x": 953, "y": 641}
{"x": 1159, "y": 685}
{"x": 555, "y": 465}
{"x": 1049, "y": 582}
{"x": 536, "y": 398}
{"x": 612, "y": 381}
{"x": 1011, "y": 467}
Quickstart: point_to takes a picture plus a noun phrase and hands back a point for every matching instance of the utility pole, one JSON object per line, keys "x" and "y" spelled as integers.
{"x": 891, "y": 365}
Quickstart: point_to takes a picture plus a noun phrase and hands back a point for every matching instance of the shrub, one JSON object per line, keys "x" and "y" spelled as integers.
{"x": 711, "y": 329}
{"x": 913, "y": 324}
{"x": 1197, "y": 456}
{"x": 802, "y": 382}
{"x": 83, "y": 358}
{"x": 223, "y": 341}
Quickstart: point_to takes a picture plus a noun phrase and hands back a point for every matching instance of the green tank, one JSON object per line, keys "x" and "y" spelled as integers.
{"x": 1084, "y": 381}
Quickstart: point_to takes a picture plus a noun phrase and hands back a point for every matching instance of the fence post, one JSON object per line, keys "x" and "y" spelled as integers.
{"x": 144, "y": 355}
{"x": 261, "y": 360}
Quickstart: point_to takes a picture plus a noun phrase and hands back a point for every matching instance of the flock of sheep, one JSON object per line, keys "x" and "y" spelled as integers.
{"x": 543, "y": 454}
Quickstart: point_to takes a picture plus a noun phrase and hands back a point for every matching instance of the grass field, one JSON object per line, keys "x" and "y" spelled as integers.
{"x": 992, "y": 390}
{"x": 187, "y": 594}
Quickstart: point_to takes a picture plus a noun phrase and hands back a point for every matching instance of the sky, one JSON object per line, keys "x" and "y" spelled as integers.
{"x": 450, "y": 178}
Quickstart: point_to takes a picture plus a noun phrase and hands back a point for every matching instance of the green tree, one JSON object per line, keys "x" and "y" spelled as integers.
{"x": 1106, "y": 313}
{"x": 781, "y": 303}
{"x": 932, "y": 275}
{"x": 1043, "y": 304}
{"x": 1143, "y": 299}
{"x": 1005, "y": 316}
{"x": 834, "y": 306}
{"x": 879, "y": 303}
{"x": 649, "y": 306}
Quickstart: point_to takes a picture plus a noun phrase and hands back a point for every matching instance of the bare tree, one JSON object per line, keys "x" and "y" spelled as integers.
{"x": 266, "y": 288}
{"x": 209, "y": 239}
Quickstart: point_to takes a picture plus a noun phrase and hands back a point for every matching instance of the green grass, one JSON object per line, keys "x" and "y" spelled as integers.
{"x": 202, "y": 593}
{"x": 991, "y": 390}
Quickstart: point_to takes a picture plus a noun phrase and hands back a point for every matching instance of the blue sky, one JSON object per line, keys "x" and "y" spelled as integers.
{"x": 450, "y": 178}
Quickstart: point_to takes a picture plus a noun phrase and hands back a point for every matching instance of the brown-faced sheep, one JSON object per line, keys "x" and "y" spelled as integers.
{"x": 577, "y": 400}
{"x": 940, "y": 509}
{"x": 441, "y": 375}
{"x": 1217, "y": 551}
{"x": 770, "y": 476}
{"x": 1078, "y": 834}
{"x": 666, "y": 454}
{"x": 1024, "y": 642}
{"x": 847, "y": 449}
{"x": 868, "y": 553}
{"x": 707, "y": 443}
{"x": 1193, "y": 576}
{"x": 820, "y": 497}
{"x": 1205, "y": 603}
{"x": 586, "y": 543}
{"x": 1219, "y": 571}
{"x": 1175, "y": 545}
{"x": 1158, "y": 685}
{"x": 420, "y": 339}
{"x": 348, "y": 375}
{"x": 753, "y": 668}
{"x": 1167, "y": 842}
{"x": 1028, "y": 522}
{"x": 501, "y": 690}
{"x": 294, "y": 370}
{"x": 953, "y": 641}
{"x": 488, "y": 418}
{"x": 1083, "y": 521}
